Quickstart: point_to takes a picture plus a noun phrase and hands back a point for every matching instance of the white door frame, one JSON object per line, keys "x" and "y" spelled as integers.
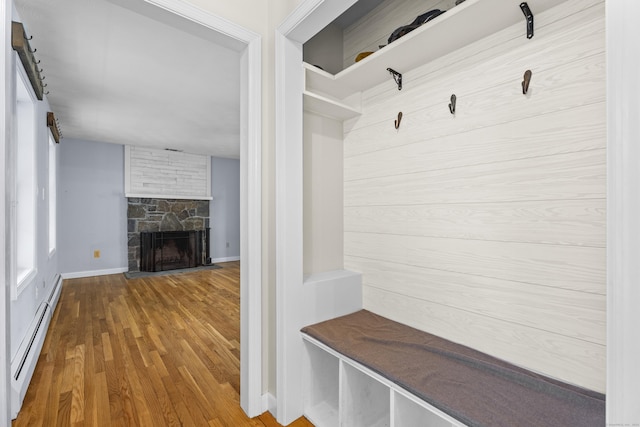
{"x": 623, "y": 203}
{"x": 6, "y": 7}
{"x": 250, "y": 197}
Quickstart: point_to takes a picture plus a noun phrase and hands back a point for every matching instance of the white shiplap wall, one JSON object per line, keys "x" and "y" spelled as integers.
{"x": 488, "y": 227}
{"x": 168, "y": 174}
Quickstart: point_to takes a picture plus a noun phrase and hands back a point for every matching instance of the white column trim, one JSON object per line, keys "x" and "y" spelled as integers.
{"x": 623, "y": 213}
{"x": 250, "y": 196}
{"x": 289, "y": 249}
{"x": 127, "y": 170}
{"x": 251, "y": 387}
{"x": 302, "y": 24}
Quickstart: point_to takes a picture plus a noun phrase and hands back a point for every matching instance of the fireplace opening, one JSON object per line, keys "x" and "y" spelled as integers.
{"x": 170, "y": 250}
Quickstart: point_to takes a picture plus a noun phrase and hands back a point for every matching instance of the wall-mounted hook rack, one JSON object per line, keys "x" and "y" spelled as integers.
{"x": 397, "y": 77}
{"x": 20, "y": 43}
{"x": 529, "y": 16}
{"x": 526, "y": 81}
{"x": 53, "y": 125}
{"x": 397, "y": 121}
{"x": 452, "y": 105}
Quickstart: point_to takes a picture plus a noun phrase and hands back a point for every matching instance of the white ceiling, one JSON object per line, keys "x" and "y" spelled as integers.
{"x": 127, "y": 72}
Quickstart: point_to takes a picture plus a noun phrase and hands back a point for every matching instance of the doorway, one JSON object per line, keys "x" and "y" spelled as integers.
{"x": 249, "y": 47}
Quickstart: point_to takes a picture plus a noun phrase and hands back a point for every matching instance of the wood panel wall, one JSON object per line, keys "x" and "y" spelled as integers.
{"x": 487, "y": 227}
{"x": 152, "y": 172}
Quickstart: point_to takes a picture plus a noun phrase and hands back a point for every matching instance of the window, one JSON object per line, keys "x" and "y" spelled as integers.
{"x": 52, "y": 194}
{"x": 25, "y": 181}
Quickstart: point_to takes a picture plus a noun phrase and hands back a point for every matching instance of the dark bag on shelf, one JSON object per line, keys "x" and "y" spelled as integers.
{"x": 421, "y": 19}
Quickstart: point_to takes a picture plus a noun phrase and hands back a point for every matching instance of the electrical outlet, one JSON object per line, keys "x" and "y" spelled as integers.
{"x": 96, "y": 253}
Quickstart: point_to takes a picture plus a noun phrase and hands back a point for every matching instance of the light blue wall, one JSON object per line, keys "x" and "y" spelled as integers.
{"x": 225, "y": 209}
{"x": 25, "y": 306}
{"x": 93, "y": 208}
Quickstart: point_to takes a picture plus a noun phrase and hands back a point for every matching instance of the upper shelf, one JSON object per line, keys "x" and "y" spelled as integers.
{"x": 458, "y": 27}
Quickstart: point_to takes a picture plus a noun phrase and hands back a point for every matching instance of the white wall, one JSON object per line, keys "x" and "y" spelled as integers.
{"x": 489, "y": 227}
{"x": 323, "y": 180}
{"x": 325, "y": 49}
{"x": 92, "y": 208}
{"x": 225, "y": 209}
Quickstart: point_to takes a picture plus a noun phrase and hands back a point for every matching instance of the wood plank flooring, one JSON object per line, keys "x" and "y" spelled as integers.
{"x": 156, "y": 351}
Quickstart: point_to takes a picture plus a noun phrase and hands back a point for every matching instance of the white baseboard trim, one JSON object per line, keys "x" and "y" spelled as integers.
{"x": 228, "y": 259}
{"x": 269, "y": 404}
{"x": 80, "y": 274}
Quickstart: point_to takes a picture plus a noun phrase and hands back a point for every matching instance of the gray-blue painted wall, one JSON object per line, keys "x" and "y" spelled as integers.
{"x": 92, "y": 207}
{"x": 225, "y": 209}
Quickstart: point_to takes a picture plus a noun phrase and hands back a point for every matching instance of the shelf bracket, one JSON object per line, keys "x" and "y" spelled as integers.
{"x": 397, "y": 77}
{"x": 527, "y": 13}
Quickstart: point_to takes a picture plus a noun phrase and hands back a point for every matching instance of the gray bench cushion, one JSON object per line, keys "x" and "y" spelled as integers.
{"x": 473, "y": 387}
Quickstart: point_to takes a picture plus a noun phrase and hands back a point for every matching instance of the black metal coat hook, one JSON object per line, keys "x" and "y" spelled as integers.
{"x": 452, "y": 105}
{"x": 526, "y": 81}
{"x": 529, "y": 17}
{"x": 397, "y": 77}
{"x": 397, "y": 121}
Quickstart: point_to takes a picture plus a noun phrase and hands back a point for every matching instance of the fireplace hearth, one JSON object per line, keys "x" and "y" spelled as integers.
{"x": 170, "y": 250}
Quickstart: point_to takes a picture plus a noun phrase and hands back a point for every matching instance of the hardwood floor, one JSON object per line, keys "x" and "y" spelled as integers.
{"x": 156, "y": 351}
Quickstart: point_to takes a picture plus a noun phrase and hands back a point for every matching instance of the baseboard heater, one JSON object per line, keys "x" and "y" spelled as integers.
{"x": 24, "y": 363}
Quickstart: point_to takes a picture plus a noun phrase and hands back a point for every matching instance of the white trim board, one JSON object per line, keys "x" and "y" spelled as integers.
{"x": 227, "y": 259}
{"x": 165, "y": 196}
{"x": 623, "y": 211}
{"x": 269, "y": 404}
{"x": 93, "y": 273}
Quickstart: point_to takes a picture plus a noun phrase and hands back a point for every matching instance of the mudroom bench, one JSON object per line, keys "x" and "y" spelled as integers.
{"x": 366, "y": 370}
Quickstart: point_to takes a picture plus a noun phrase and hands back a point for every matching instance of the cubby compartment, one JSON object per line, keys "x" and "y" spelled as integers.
{"x": 341, "y": 392}
{"x": 365, "y": 402}
{"x": 322, "y": 383}
{"x": 408, "y": 412}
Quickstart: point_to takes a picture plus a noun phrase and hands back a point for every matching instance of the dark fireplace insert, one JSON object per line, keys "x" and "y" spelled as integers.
{"x": 170, "y": 250}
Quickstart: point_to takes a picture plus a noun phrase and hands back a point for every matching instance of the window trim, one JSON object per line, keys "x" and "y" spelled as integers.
{"x": 52, "y": 203}
{"x": 22, "y": 281}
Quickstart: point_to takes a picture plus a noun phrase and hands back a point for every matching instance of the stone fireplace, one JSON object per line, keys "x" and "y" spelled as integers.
{"x": 148, "y": 215}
